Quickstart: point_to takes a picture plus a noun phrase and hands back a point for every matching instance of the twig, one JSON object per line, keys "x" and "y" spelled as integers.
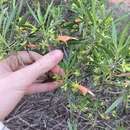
{"x": 122, "y": 75}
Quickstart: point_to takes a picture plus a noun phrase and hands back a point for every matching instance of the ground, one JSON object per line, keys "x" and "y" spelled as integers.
{"x": 51, "y": 111}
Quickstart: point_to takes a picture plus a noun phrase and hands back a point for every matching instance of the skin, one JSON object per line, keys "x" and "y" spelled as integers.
{"x": 19, "y": 74}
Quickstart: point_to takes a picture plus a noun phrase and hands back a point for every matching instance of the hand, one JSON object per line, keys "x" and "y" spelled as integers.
{"x": 18, "y": 76}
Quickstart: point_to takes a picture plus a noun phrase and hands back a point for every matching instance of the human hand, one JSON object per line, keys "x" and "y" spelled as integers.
{"x": 18, "y": 76}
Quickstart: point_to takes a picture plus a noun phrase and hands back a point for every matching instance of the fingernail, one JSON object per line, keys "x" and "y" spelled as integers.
{"x": 57, "y": 53}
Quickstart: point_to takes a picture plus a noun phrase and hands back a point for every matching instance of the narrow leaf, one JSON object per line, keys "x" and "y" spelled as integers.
{"x": 114, "y": 105}
{"x": 114, "y": 34}
{"x": 39, "y": 14}
{"x": 9, "y": 21}
{"x": 33, "y": 13}
{"x": 123, "y": 35}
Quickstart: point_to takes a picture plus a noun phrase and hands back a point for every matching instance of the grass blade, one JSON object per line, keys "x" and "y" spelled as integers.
{"x": 33, "y": 13}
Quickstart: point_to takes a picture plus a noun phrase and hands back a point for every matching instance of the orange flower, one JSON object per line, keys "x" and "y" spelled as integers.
{"x": 84, "y": 90}
{"x": 65, "y": 38}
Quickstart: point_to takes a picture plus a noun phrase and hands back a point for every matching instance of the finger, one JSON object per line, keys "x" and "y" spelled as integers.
{"x": 27, "y": 75}
{"x": 46, "y": 87}
{"x": 58, "y": 70}
{"x": 15, "y": 61}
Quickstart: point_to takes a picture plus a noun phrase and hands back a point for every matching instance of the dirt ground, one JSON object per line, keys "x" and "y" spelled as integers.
{"x": 49, "y": 111}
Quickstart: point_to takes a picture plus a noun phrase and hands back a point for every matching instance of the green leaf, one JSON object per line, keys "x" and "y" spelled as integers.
{"x": 47, "y": 11}
{"x": 125, "y": 16}
{"x": 94, "y": 9}
{"x": 123, "y": 35}
{"x": 20, "y": 7}
{"x": 33, "y": 13}
{"x": 114, "y": 34}
{"x": 72, "y": 125}
{"x": 9, "y": 21}
{"x": 2, "y": 16}
{"x": 39, "y": 14}
{"x": 114, "y": 105}
{"x": 14, "y": 3}
{"x": 124, "y": 49}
